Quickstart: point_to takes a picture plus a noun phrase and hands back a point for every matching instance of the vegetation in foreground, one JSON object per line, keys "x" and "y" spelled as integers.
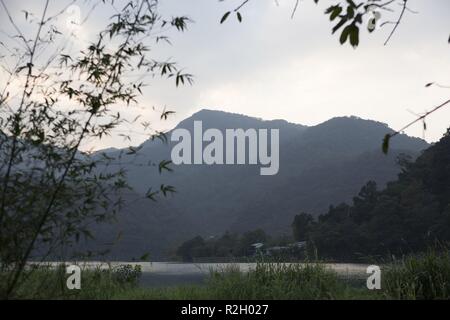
{"x": 425, "y": 276}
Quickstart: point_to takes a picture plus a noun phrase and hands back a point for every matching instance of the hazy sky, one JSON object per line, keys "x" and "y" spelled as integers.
{"x": 274, "y": 67}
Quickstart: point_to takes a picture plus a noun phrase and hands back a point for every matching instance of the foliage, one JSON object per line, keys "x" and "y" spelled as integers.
{"x": 301, "y": 226}
{"x": 276, "y": 281}
{"x": 422, "y": 276}
{"x": 266, "y": 281}
{"x": 190, "y": 248}
{"x": 127, "y": 273}
{"x": 350, "y": 16}
{"x": 49, "y": 282}
{"x": 425, "y": 276}
{"x": 51, "y": 191}
{"x": 411, "y": 214}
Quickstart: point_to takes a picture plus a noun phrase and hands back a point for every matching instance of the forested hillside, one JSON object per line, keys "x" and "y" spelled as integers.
{"x": 409, "y": 215}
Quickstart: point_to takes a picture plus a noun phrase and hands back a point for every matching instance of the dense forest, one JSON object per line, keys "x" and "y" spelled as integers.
{"x": 409, "y": 215}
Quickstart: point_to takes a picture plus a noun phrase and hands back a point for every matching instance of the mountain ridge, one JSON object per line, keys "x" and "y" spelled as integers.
{"x": 319, "y": 166}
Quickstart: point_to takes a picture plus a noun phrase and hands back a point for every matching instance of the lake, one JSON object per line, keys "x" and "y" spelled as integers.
{"x": 162, "y": 274}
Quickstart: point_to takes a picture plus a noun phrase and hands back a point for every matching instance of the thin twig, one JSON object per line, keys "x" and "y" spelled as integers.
{"x": 295, "y": 9}
{"x": 19, "y": 111}
{"x": 15, "y": 25}
{"x": 420, "y": 118}
{"x": 241, "y": 5}
{"x": 397, "y": 23}
{"x": 383, "y": 5}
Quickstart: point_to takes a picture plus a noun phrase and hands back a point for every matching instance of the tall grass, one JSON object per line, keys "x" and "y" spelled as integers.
{"x": 266, "y": 282}
{"x": 423, "y": 276}
{"x": 276, "y": 281}
{"x": 47, "y": 282}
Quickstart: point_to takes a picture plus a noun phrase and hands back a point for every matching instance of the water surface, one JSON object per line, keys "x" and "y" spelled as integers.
{"x": 157, "y": 274}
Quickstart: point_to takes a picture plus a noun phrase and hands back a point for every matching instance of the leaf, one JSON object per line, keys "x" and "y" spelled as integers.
{"x": 339, "y": 24}
{"x": 350, "y": 12}
{"x": 344, "y": 35}
{"x": 239, "y": 16}
{"x": 335, "y": 13}
{"x": 133, "y": 150}
{"x": 165, "y": 114}
{"x": 225, "y": 16}
{"x": 167, "y": 189}
{"x": 164, "y": 165}
{"x": 354, "y": 36}
{"x": 385, "y": 146}
{"x": 352, "y": 4}
{"x": 151, "y": 194}
{"x": 64, "y": 59}
{"x": 371, "y": 25}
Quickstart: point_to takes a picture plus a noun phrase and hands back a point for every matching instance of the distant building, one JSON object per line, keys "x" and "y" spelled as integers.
{"x": 289, "y": 249}
{"x": 257, "y": 247}
{"x": 277, "y": 249}
{"x": 299, "y": 245}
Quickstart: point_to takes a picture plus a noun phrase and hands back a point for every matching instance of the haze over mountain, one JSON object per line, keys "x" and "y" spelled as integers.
{"x": 320, "y": 165}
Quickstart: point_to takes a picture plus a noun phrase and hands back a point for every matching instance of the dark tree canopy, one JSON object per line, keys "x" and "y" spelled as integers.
{"x": 409, "y": 215}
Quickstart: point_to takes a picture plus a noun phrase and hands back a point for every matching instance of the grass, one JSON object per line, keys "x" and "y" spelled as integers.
{"x": 278, "y": 281}
{"x": 266, "y": 281}
{"x": 425, "y": 276}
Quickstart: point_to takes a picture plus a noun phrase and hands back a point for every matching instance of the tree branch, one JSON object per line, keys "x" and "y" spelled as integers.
{"x": 397, "y": 23}
{"x": 420, "y": 118}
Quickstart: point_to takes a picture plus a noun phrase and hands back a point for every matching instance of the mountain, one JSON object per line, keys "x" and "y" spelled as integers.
{"x": 318, "y": 166}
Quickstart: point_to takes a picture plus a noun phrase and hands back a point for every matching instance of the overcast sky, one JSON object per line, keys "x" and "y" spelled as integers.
{"x": 274, "y": 67}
